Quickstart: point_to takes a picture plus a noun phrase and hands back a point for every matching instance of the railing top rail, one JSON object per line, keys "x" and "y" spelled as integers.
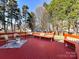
{"x": 71, "y": 35}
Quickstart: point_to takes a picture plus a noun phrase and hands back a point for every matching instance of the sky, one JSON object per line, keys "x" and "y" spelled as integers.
{"x": 32, "y": 4}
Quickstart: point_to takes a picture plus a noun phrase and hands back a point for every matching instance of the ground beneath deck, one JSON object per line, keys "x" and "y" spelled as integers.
{"x": 39, "y": 49}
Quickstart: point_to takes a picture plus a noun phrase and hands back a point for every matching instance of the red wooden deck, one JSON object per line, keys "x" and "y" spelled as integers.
{"x": 39, "y": 49}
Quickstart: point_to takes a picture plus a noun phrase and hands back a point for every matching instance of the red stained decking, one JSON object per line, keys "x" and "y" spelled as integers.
{"x": 39, "y": 49}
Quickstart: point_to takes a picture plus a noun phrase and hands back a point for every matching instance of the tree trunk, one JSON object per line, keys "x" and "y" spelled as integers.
{"x": 12, "y": 25}
{"x": 5, "y": 30}
{"x": 68, "y": 26}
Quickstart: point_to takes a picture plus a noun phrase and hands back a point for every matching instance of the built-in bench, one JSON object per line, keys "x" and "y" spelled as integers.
{"x": 44, "y": 35}
{"x": 73, "y": 42}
